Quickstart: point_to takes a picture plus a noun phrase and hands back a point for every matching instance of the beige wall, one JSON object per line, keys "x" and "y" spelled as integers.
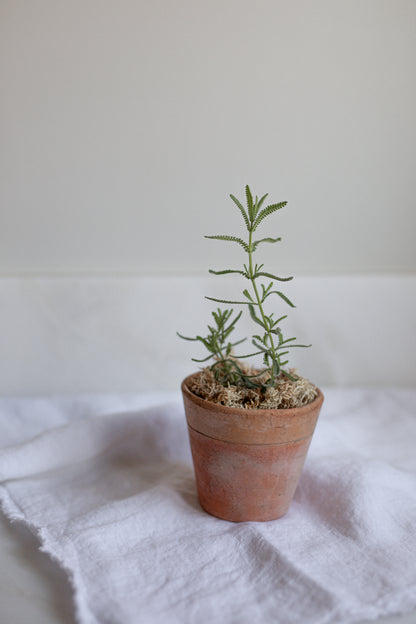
{"x": 125, "y": 125}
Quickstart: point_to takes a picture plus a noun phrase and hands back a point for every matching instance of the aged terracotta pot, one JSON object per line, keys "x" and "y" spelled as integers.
{"x": 247, "y": 461}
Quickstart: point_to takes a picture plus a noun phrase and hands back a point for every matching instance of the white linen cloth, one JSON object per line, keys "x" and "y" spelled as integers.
{"x": 106, "y": 483}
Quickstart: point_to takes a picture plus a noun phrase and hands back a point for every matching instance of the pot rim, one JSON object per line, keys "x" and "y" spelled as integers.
{"x": 225, "y": 409}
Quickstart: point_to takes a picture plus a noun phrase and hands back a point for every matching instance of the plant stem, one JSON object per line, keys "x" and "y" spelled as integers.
{"x": 275, "y": 357}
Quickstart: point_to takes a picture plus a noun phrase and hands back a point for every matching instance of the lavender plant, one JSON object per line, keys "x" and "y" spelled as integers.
{"x": 269, "y": 341}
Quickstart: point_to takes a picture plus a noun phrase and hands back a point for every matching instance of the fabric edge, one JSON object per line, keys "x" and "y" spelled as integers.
{"x": 47, "y": 545}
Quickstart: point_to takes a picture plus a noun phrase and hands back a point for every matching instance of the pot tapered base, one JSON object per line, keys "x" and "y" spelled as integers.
{"x": 243, "y": 517}
{"x": 246, "y": 482}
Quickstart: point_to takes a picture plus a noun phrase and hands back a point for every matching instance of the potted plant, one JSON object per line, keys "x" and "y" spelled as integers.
{"x": 249, "y": 427}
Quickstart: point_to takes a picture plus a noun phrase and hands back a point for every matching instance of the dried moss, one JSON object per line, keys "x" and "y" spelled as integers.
{"x": 284, "y": 394}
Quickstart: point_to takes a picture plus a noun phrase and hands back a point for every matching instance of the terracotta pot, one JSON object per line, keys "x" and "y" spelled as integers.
{"x": 247, "y": 461}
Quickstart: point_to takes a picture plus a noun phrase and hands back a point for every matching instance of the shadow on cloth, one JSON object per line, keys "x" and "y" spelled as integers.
{"x": 145, "y": 455}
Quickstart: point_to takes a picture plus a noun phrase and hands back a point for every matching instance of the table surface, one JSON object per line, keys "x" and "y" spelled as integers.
{"x": 35, "y": 589}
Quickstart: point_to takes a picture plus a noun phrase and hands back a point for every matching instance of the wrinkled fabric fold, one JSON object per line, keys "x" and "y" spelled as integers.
{"x": 106, "y": 482}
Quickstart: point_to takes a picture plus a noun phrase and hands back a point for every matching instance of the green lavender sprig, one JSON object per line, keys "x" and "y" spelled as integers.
{"x": 270, "y": 342}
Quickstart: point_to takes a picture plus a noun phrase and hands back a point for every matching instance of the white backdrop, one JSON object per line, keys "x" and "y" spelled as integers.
{"x": 125, "y": 125}
{"x": 118, "y": 335}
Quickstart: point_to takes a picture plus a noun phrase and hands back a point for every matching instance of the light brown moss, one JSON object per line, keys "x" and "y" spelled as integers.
{"x": 284, "y": 394}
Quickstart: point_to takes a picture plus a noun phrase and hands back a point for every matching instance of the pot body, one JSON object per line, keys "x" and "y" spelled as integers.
{"x": 247, "y": 462}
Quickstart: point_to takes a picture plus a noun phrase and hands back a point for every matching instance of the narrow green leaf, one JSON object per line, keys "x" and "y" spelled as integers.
{"x": 264, "y": 240}
{"x": 203, "y": 359}
{"x": 282, "y": 318}
{"x": 275, "y": 277}
{"x": 282, "y": 296}
{"x": 185, "y": 337}
{"x": 260, "y": 347}
{"x": 254, "y": 317}
{"x": 256, "y": 208}
{"x": 225, "y": 332}
{"x": 260, "y": 202}
{"x": 288, "y": 374}
{"x": 241, "y": 357}
{"x": 225, "y": 301}
{"x": 243, "y": 212}
{"x": 227, "y": 271}
{"x": 247, "y": 294}
{"x": 249, "y": 203}
{"x": 275, "y": 371}
{"x": 287, "y": 340}
{"x": 205, "y": 342}
{"x": 265, "y": 290}
{"x": 234, "y": 239}
{"x": 234, "y": 344}
{"x": 268, "y": 240}
{"x": 266, "y": 212}
{"x": 236, "y": 318}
